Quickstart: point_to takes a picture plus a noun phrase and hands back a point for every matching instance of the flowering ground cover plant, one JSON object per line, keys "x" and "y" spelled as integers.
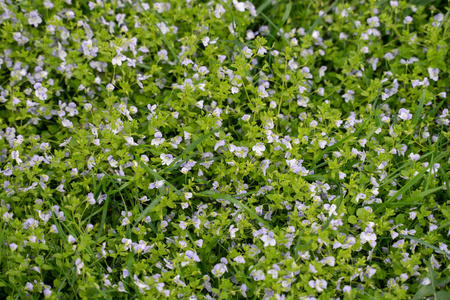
{"x": 224, "y": 149}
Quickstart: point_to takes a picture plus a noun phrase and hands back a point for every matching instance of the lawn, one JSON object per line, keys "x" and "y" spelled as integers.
{"x": 190, "y": 149}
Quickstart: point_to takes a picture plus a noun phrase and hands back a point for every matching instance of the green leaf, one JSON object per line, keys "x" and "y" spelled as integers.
{"x": 352, "y": 219}
{"x": 443, "y": 281}
{"x": 424, "y": 291}
{"x": 442, "y": 295}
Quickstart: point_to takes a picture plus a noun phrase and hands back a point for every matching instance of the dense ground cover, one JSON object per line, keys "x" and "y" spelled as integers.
{"x": 224, "y": 149}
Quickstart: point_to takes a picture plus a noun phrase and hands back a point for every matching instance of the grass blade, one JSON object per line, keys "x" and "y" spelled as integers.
{"x": 102, "y": 223}
{"x": 423, "y": 243}
{"x": 286, "y": 14}
{"x": 341, "y": 199}
{"x": 263, "y": 6}
{"x": 188, "y": 149}
{"x": 197, "y": 142}
{"x": 213, "y": 195}
{"x": 413, "y": 180}
{"x": 147, "y": 209}
{"x": 412, "y": 200}
{"x": 321, "y": 17}
{"x": 163, "y": 37}
{"x": 416, "y": 117}
{"x": 274, "y": 26}
{"x": 157, "y": 176}
{"x": 334, "y": 146}
{"x": 432, "y": 277}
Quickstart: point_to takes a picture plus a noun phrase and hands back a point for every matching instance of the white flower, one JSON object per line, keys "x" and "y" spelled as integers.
{"x": 257, "y": 275}
{"x": 322, "y": 144}
{"x": 408, "y": 20}
{"x": 13, "y": 246}
{"x": 34, "y": 18}
{"x": 262, "y": 92}
{"x": 245, "y": 118}
{"x": 373, "y": 22}
{"x": 268, "y": 239}
{"x": 71, "y": 239}
{"x": 262, "y": 51}
{"x": 130, "y": 141}
{"x": 233, "y": 231}
{"x": 414, "y": 157}
{"x": 247, "y": 52}
{"x": 274, "y": 273}
{"x": 319, "y": 284}
{"x": 15, "y": 156}
{"x": 167, "y": 159}
{"x": 67, "y": 123}
{"x": 264, "y": 165}
{"x": 203, "y": 70}
{"x": 40, "y": 91}
{"x": 433, "y": 73}
{"x": 240, "y": 6}
{"x": 239, "y": 259}
{"x": 293, "y": 65}
{"x": 426, "y": 281}
{"x": 259, "y": 148}
{"x": 368, "y": 237}
{"x": 329, "y": 260}
{"x": 91, "y": 199}
{"x": 118, "y": 59}
{"x": 322, "y": 70}
{"x": 315, "y": 34}
{"x": 404, "y": 114}
{"x": 183, "y": 225}
{"x": 219, "y": 270}
{"x": 331, "y": 209}
{"x": 110, "y": 87}
{"x": 348, "y": 96}
{"x": 79, "y": 265}
{"x": 29, "y": 286}
{"x": 91, "y": 162}
{"x": 47, "y": 293}
{"x": 156, "y": 185}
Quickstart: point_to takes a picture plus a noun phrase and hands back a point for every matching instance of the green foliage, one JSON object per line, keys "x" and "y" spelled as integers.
{"x": 224, "y": 150}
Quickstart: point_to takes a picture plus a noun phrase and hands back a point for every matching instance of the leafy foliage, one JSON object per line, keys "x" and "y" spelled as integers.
{"x": 210, "y": 150}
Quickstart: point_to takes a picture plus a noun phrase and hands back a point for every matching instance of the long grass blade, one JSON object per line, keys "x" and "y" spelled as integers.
{"x": 213, "y": 195}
